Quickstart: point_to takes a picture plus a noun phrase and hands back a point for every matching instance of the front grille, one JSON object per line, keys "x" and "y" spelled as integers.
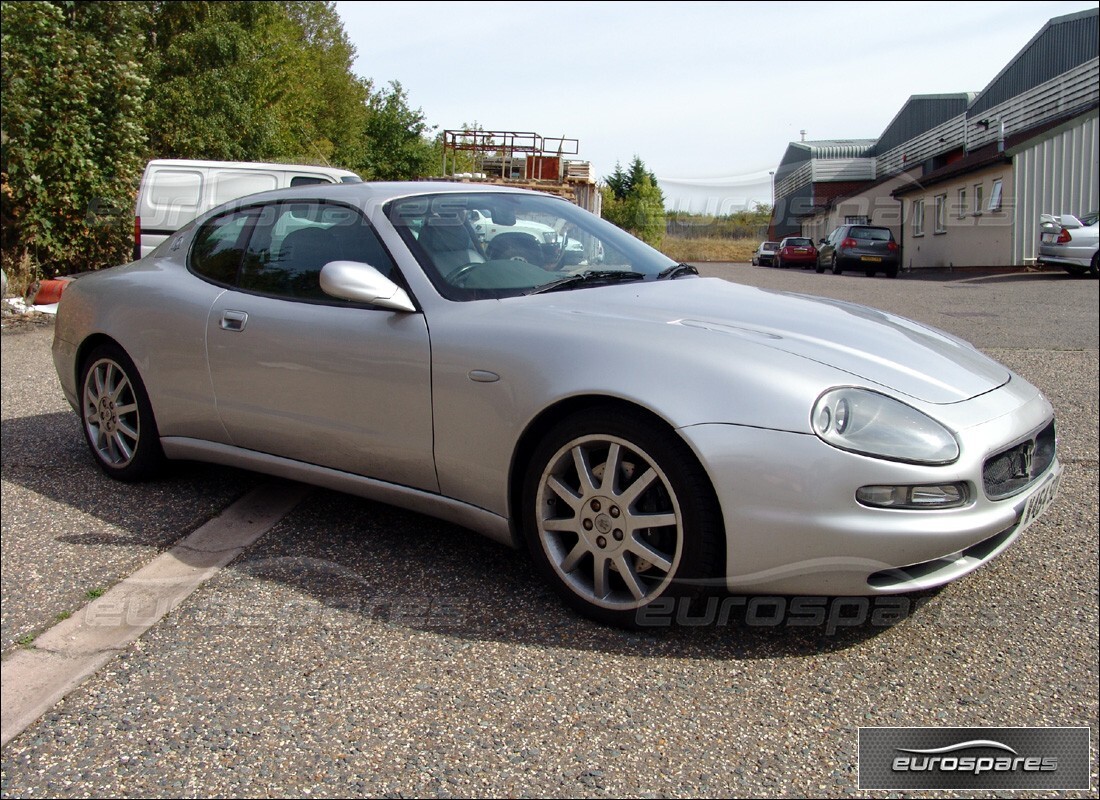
{"x": 1011, "y": 470}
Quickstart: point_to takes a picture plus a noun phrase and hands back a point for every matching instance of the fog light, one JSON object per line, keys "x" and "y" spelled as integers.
{"x": 947, "y": 495}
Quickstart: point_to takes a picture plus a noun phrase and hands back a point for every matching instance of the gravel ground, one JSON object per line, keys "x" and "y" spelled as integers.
{"x": 68, "y": 529}
{"x": 361, "y": 650}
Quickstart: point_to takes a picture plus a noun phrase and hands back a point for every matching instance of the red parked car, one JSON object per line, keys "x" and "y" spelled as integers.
{"x": 796, "y": 251}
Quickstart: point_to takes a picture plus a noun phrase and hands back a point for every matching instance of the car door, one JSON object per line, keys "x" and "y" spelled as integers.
{"x": 825, "y": 251}
{"x": 308, "y": 377}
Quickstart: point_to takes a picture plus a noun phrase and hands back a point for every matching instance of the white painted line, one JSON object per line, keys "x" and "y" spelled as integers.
{"x": 59, "y": 660}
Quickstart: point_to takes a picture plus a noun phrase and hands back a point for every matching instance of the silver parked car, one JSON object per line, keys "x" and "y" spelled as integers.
{"x": 643, "y": 432}
{"x": 764, "y": 256}
{"x": 1070, "y": 242}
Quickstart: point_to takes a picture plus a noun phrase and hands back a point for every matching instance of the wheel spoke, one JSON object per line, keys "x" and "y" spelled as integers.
{"x": 99, "y": 376}
{"x": 122, "y": 447}
{"x": 634, "y": 491}
{"x": 611, "y": 468}
{"x": 644, "y": 549}
{"x": 119, "y": 388}
{"x": 569, "y": 563}
{"x": 127, "y": 409}
{"x": 637, "y": 522}
{"x": 584, "y": 471}
{"x": 127, "y": 431}
{"x": 565, "y": 493}
{"x": 561, "y": 524}
{"x": 633, "y": 582}
{"x": 600, "y": 571}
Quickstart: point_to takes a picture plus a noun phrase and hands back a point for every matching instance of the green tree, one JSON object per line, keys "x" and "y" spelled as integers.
{"x": 397, "y": 138}
{"x": 71, "y": 126}
{"x": 633, "y": 201}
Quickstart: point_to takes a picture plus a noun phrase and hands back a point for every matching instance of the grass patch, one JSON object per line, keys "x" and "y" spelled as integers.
{"x": 709, "y": 249}
{"x": 92, "y": 594}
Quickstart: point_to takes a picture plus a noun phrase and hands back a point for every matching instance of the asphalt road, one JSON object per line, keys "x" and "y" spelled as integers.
{"x": 357, "y": 649}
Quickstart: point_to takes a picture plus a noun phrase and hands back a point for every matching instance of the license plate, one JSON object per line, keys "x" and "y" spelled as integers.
{"x": 1039, "y": 502}
{"x": 876, "y": 259}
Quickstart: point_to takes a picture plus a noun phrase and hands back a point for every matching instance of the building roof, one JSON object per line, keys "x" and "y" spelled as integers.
{"x": 1059, "y": 46}
{"x": 826, "y": 148}
{"x": 921, "y": 113}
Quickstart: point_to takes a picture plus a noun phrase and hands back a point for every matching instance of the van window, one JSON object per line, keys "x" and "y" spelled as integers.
{"x": 179, "y": 189}
{"x": 231, "y": 185}
{"x": 306, "y": 180}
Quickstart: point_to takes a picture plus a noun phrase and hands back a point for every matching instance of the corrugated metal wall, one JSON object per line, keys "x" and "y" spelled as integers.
{"x": 1060, "y": 175}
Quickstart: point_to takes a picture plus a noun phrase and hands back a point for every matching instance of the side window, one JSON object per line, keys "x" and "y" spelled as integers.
{"x": 306, "y": 180}
{"x": 219, "y": 246}
{"x": 291, "y": 242}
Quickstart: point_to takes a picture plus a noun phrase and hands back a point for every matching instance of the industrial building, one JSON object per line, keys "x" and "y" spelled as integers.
{"x": 961, "y": 179}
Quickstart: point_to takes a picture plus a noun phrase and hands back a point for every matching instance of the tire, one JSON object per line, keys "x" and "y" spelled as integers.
{"x": 836, "y": 265}
{"x": 585, "y": 527}
{"x": 870, "y": 273}
{"x": 892, "y": 272}
{"x": 819, "y": 268}
{"x": 1094, "y": 266}
{"x": 116, "y": 416}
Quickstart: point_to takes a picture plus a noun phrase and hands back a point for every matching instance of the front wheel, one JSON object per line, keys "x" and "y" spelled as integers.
{"x": 618, "y": 514}
{"x": 117, "y": 417}
{"x": 1094, "y": 267}
{"x": 836, "y": 265}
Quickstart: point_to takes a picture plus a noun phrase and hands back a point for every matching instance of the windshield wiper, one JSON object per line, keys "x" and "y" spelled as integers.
{"x": 677, "y": 271}
{"x": 588, "y": 276}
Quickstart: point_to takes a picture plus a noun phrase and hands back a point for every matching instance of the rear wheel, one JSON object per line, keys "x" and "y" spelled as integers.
{"x": 1094, "y": 267}
{"x": 892, "y": 272}
{"x": 870, "y": 273}
{"x": 618, "y": 513}
{"x": 117, "y": 417}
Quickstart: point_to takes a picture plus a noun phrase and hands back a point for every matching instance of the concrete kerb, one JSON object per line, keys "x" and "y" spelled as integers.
{"x": 59, "y": 660}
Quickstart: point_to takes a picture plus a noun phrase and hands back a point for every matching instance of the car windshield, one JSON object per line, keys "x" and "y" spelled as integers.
{"x": 874, "y": 234}
{"x": 482, "y": 245}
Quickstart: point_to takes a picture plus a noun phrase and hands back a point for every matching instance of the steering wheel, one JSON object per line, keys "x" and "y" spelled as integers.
{"x": 457, "y": 277}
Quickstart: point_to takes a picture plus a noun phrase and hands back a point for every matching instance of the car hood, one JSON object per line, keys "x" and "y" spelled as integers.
{"x": 880, "y": 348}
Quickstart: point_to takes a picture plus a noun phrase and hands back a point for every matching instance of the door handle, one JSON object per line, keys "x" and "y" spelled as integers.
{"x": 234, "y": 320}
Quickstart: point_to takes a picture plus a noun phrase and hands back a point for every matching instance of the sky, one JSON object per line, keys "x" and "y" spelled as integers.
{"x": 707, "y": 94}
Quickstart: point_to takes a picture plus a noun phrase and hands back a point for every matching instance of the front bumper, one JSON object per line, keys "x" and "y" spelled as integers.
{"x": 793, "y": 525}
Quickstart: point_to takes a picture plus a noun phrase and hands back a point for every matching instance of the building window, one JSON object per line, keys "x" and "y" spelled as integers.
{"x": 918, "y": 217}
{"x": 995, "y": 196}
{"x": 978, "y": 191}
{"x": 963, "y": 209}
{"x": 941, "y": 213}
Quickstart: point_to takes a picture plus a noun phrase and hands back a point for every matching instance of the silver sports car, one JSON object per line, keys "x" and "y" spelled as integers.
{"x": 645, "y": 433}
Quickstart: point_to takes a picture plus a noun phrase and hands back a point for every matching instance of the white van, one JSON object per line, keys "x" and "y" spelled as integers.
{"x": 175, "y": 191}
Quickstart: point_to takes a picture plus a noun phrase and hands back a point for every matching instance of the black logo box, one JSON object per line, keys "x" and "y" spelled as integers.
{"x": 974, "y": 758}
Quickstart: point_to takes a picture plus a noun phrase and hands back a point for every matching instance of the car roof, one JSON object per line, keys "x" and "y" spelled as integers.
{"x": 368, "y": 194}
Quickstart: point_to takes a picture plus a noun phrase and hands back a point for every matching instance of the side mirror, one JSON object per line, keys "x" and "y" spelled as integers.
{"x": 362, "y": 283}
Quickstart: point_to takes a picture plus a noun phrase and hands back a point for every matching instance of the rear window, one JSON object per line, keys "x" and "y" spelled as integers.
{"x": 872, "y": 234}
{"x": 771, "y": 245}
{"x": 799, "y": 243}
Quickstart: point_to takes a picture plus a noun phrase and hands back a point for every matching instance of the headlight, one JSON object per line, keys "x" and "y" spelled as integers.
{"x": 873, "y": 424}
